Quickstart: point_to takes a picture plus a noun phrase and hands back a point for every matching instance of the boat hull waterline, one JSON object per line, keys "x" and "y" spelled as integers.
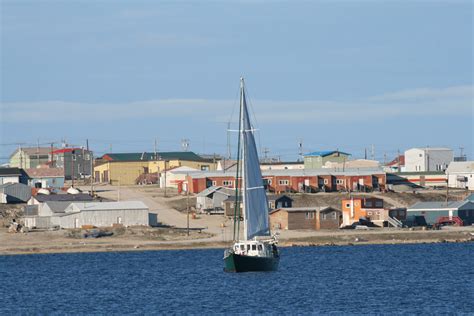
{"x": 241, "y": 263}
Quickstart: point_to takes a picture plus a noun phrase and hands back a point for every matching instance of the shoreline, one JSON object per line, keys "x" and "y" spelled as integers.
{"x": 338, "y": 238}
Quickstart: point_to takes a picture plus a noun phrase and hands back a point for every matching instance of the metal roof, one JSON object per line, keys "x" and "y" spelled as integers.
{"x": 461, "y": 166}
{"x": 145, "y": 156}
{"x": 108, "y": 206}
{"x": 10, "y": 172}
{"x": 58, "y": 206}
{"x": 325, "y": 153}
{"x": 45, "y": 172}
{"x": 305, "y": 209}
{"x": 436, "y": 205}
{"x": 297, "y": 172}
{"x": 63, "y": 197}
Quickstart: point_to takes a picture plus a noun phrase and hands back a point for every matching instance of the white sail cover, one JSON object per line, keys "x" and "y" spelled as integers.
{"x": 256, "y": 204}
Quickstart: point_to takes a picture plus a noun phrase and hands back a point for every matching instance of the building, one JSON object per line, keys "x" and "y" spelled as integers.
{"x": 314, "y": 218}
{"x": 429, "y": 179}
{"x": 212, "y": 198}
{"x": 318, "y": 159}
{"x": 355, "y": 209}
{"x": 274, "y": 201}
{"x": 73, "y": 161}
{"x": 14, "y": 193}
{"x": 281, "y": 165}
{"x": 125, "y": 168}
{"x": 45, "y": 177}
{"x": 31, "y": 157}
{"x": 460, "y": 174}
{"x": 396, "y": 165}
{"x": 298, "y": 180}
{"x": 97, "y": 214}
{"x": 41, "y": 198}
{"x": 176, "y": 177}
{"x": 353, "y": 164}
{"x": 428, "y": 159}
{"x": 10, "y": 175}
{"x": 437, "y": 212}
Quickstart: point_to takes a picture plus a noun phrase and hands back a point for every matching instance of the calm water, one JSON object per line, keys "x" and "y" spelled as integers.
{"x": 394, "y": 279}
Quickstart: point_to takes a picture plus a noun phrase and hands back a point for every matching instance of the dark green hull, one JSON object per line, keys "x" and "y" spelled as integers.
{"x": 239, "y": 263}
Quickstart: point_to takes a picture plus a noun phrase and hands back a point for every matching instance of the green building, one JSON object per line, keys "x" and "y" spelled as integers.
{"x": 318, "y": 159}
{"x": 433, "y": 211}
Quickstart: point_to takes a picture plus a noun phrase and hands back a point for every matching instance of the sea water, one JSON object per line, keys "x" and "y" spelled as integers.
{"x": 372, "y": 279}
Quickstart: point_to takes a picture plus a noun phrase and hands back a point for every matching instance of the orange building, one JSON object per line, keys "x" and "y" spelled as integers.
{"x": 369, "y": 208}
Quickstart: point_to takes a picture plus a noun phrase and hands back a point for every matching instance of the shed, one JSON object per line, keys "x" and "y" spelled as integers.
{"x": 434, "y": 211}
{"x": 46, "y": 177}
{"x": 279, "y": 201}
{"x": 14, "y": 193}
{"x": 212, "y": 198}
{"x": 10, "y": 175}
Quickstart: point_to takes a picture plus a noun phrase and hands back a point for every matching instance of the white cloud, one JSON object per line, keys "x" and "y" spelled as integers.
{"x": 452, "y": 101}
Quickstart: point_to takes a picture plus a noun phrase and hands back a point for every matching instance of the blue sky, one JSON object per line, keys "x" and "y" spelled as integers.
{"x": 336, "y": 74}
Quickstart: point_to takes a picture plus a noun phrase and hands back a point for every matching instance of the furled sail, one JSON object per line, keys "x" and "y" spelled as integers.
{"x": 255, "y": 200}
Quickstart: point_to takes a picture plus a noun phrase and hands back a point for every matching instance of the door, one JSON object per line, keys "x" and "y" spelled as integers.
{"x": 106, "y": 176}
{"x": 76, "y": 223}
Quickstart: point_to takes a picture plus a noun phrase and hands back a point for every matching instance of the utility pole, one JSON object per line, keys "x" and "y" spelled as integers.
{"x": 365, "y": 154}
{"x": 265, "y": 152}
{"x": 300, "y": 150}
{"x": 187, "y": 208}
{"x": 72, "y": 167}
{"x": 165, "y": 179}
{"x": 229, "y": 154}
{"x": 447, "y": 188}
{"x": 21, "y": 156}
{"x": 373, "y": 152}
{"x": 110, "y": 148}
{"x": 89, "y": 152}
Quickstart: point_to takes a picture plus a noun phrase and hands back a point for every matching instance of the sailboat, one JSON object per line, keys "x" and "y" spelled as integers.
{"x": 257, "y": 250}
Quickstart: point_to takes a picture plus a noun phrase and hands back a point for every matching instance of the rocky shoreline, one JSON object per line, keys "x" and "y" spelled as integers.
{"x": 110, "y": 244}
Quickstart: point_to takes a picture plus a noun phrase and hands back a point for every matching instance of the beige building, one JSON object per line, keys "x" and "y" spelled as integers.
{"x": 30, "y": 157}
{"x": 125, "y": 168}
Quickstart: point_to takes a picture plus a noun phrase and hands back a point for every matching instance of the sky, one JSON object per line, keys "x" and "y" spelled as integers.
{"x": 347, "y": 75}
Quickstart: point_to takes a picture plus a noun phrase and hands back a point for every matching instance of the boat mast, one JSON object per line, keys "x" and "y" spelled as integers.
{"x": 238, "y": 173}
{"x": 242, "y": 131}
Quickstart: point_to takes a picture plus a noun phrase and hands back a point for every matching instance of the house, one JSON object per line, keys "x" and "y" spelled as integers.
{"x": 279, "y": 201}
{"x": 125, "y": 168}
{"x": 41, "y": 198}
{"x": 435, "y": 212}
{"x": 396, "y": 165}
{"x": 428, "y": 159}
{"x": 314, "y": 218}
{"x": 10, "y": 175}
{"x": 176, "y": 177}
{"x": 14, "y": 193}
{"x": 460, "y": 174}
{"x": 45, "y": 177}
{"x": 355, "y": 209}
{"x": 212, "y": 198}
{"x": 30, "y": 157}
{"x": 274, "y": 201}
{"x": 98, "y": 214}
{"x": 75, "y": 162}
{"x": 318, "y": 159}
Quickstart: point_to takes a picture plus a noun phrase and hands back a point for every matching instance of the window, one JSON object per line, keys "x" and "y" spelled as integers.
{"x": 260, "y": 247}
{"x": 283, "y": 182}
{"x": 368, "y": 203}
{"x": 254, "y": 247}
{"x": 326, "y": 181}
{"x": 324, "y": 216}
{"x": 339, "y": 181}
{"x": 369, "y": 213}
{"x": 242, "y": 247}
{"x": 348, "y": 205}
{"x": 214, "y": 183}
{"x": 378, "y": 203}
{"x": 227, "y": 183}
{"x": 309, "y": 215}
{"x": 334, "y": 215}
{"x": 205, "y": 168}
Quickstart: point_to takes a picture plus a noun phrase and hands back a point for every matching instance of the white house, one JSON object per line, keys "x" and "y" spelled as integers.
{"x": 175, "y": 176}
{"x": 428, "y": 159}
{"x": 461, "y": 174}
{"x": 10, "y": 175}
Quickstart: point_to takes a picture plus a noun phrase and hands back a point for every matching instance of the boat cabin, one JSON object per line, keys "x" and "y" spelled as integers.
{"x": 254, "y": 248}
